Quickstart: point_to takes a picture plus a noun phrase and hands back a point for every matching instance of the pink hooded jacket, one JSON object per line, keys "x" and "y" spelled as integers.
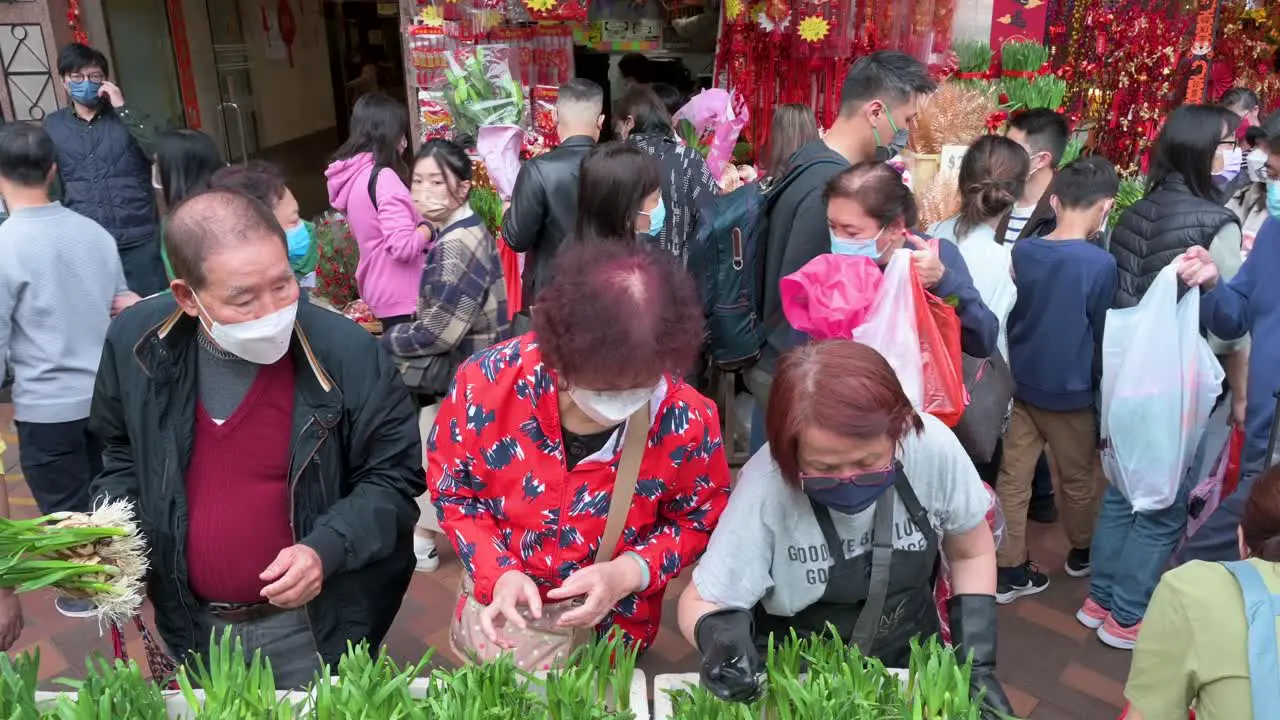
{"x": 392, "y": 248}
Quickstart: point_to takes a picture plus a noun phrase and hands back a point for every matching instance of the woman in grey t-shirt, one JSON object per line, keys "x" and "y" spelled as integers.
{"x": 840, "y": 520}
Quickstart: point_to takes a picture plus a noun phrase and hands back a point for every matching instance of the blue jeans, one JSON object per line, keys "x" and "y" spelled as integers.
{"x": 1131, "y": 550}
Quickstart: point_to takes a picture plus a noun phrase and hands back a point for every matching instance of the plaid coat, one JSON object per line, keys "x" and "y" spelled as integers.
{"x": 462, "y": 301}
{"x": 688, "y": 188}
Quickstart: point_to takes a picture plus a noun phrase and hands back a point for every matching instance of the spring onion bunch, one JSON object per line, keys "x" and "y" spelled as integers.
{"x": 233, "y": 688}
{"x": 111, "y": 690}
{"x": 100, "y": 556}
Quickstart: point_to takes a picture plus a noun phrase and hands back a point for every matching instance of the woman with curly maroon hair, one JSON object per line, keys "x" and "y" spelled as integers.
{"x": 531, "y": 446}
{"x": 839, "y": 521}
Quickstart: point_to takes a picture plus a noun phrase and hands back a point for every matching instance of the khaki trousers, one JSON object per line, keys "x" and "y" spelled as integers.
{"x": 426, "y": 419}
{"x": 1072, "y": 440}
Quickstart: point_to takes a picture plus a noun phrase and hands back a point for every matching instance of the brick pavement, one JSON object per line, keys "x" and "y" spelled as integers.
{"x": 1052, "y": 667}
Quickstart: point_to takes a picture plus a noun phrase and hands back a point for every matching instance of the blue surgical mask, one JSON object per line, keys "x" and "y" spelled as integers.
{"x": 1273, "y": 198}
{"x": 299, "y": 237}
{"x": 857, "y": 248}
{"x": 850, "y": 495}
{"x": 85, "y": 92}
{"x": 657, "y": 217}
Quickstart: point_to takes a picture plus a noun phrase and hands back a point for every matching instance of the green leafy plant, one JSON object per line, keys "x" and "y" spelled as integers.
{"x": 1132, "y": 189}
{"x": 823, "y": 677}
{"x": 1022, "y": 56}
{"x": 111, "y": 690}
{"x": 233, "y": 688}
{"x": 973, "y": 59}
{"x": 596, "y": 677}
{"x": 486, "y": 203}
{"x": 19, "y": 677}
{"x": 367, "y": 687}
{"x": 1075, "y": 146}
{"x": 493, "y": 691}
{"x": 481, "y": 89}
{"x": 938, "y": 684}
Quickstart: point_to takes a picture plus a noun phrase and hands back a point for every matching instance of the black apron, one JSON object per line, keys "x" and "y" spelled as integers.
{"x": 878, "y": 600}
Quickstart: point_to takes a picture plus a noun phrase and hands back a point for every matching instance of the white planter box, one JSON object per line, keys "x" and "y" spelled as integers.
{"x": 174, "y": 701}
{"x": 180, "y": 710}
{"x": 663, "y": 685}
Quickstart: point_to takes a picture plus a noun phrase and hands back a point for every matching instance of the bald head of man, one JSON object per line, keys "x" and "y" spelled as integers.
{"x": 230, "y": 259}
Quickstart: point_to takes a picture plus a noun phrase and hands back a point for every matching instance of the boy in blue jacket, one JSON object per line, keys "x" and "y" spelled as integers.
{"x": 1065, "y": 286}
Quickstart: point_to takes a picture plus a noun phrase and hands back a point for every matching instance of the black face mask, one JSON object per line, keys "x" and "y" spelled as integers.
{"x": 851, "y": 495}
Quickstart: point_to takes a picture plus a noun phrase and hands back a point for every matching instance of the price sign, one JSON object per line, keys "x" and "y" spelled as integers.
{"x": 949, "y": 162}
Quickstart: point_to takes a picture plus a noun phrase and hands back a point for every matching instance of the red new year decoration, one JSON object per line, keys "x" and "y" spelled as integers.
{"x": 288, "y": 26}
{"x": 1018, "y": 20}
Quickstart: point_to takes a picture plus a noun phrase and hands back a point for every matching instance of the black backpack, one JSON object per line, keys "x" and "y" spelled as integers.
{"x": 727, "y": 257}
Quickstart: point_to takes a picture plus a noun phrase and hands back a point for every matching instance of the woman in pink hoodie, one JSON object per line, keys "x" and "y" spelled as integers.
{"x": 366, "y": 184}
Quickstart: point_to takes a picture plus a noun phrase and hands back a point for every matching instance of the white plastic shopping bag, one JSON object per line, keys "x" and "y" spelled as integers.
{"x": 1159, "y": 382}
{"x": 890, "y": 327}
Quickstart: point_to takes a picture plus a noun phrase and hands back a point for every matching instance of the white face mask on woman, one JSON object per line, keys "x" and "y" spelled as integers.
{"x": 1257, "y": 164}
{"x": 262, "y": 340}
{"x": 610, "y": 407}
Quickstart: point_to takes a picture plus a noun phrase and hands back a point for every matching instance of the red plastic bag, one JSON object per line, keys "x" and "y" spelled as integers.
{"x": 939, "y": 327}
{"x": 919, "y": 335}
{"x": 1235, "y": 449}
{"x": 831, "y": 295}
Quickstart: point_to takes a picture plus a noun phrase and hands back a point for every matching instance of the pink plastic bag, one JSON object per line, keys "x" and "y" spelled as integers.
{"x": 830, "y": 295}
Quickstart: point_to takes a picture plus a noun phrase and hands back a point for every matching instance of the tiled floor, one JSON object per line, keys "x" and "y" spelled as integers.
{"x": 1053, "y": 668}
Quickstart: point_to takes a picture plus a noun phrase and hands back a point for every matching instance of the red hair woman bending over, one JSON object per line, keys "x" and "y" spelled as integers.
{"x": 839, "y": 520}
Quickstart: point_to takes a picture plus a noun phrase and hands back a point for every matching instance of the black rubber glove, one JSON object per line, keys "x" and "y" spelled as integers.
{"x": 730, "y": 663}
{"x": 973, "y": 630}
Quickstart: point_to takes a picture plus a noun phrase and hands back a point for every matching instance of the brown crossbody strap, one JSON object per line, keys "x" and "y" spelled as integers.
{"x": 634, "y": 439}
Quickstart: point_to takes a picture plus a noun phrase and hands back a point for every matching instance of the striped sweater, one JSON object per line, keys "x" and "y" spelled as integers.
{"x": 59, "y": 272}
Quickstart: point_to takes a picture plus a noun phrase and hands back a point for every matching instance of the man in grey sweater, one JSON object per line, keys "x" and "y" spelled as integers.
{"x": 60, "y": 284}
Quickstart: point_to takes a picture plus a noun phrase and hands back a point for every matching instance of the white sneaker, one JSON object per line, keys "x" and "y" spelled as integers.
{"x": 424, "y": 548}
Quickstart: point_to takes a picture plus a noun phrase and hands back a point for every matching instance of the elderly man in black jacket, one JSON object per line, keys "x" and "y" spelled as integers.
{"x": 271, "y": 450}
{"x": 544, "y": 204}
{"x": 103, "y": 166}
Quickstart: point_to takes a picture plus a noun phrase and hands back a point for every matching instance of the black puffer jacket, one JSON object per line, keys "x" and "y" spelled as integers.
{"x": 105, "y": 174}
{"x": 1157, "y": 229}
{"x": 544, "y": 210}
{"x": 355, "y": 465}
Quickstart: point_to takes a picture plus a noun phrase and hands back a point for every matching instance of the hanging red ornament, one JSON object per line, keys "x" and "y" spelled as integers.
{"x": 73, "y": 21}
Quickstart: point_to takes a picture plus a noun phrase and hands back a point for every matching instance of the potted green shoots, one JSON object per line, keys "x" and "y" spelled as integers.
{"x": 228, "y": 688}
{"x": 822, "y": 677}
{"x": 110, "y": 691}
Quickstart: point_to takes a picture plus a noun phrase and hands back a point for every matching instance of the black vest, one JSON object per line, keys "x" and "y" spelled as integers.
{"x": 105, "y": 175}
{"x": 1157, "y": 229}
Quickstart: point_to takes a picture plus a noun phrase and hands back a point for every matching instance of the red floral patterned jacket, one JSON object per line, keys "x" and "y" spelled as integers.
{"x": 497, "y": 476}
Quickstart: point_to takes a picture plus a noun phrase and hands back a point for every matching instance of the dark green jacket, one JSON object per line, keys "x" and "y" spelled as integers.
{"x": 355, "y": 465}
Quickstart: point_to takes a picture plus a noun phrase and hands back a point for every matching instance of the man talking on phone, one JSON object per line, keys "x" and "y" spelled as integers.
{"x": 104, "y": 164}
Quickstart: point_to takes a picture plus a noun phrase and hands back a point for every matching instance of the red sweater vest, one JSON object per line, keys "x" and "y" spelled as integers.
{"x": 238, "y": 490}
